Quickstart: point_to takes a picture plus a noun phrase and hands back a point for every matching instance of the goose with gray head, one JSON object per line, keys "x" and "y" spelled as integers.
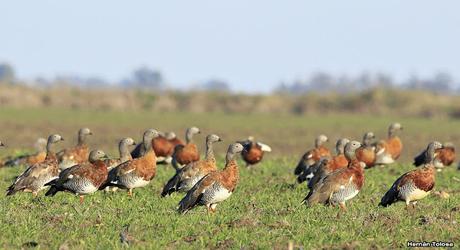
{"x": 416, "y": 184}
{"x": 187, "y": 153}
{"x": 34, "y": 178}
{"x": 215, "y": 187}
{"x": 327, "y": 165}
{"x": 389, "y": 150}
{"x": 137, "y": 172}
{"x": 445, "y": 157}
{"x": 30, "y": 159}
{"x": 82, "y": 179}
{"x": 366, "y": 153}
{"x": 311, "y": 157}
{"x": 188, "y": 176}
{"x": 78, "y": 154}
{"x": 341, "y": 185}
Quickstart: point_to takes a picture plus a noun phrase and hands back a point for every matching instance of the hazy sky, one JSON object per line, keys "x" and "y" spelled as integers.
{"x": 251, "y": 44}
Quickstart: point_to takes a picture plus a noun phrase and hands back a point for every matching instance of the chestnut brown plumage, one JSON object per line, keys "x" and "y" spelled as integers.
{"x": 215, "y": 187}
{"x": 137, "y": 172}
{"x": 341, "y": 185}
{"x": 366, "y": 153}
{"x": 188, "y": 176}
{"x": 327, "y": 165}
{"x": 82, "y": 179}
{"x": 253, "y": 151}
{"x": 36, "y": 176}
{"x": 389, "y": 150}
{"x": 76, "y": 155}
{"x": 185, "y": 154}
{"x": 311, "y": 157}
{"x": 416, "y": 184}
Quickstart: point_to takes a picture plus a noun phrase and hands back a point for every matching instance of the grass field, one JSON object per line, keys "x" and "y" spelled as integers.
{"x": 264, "y": 212}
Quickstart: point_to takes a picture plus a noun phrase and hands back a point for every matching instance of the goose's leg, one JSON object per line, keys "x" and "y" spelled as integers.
{"x": 82, "y": 198}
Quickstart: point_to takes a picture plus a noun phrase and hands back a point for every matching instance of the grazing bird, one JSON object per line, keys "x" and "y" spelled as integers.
{"x": 389, "y": 150}
{"x": 327, "y": 165}
{"x": 185, "y": 154}
{"x": 37, "y": 175}
{"x": 82, "y": 179}
{"x": 123, "y": 149}
{"x": 30, "y": 159}
{"x": 186, "y": 177}
{"x": 341, "y": 185}
{"x": 253, "y": 151}
{"x": 215, "y": 187}
{"x": 76, "y": 155}
{"x": 416, "y": 184}
{"x": 444, "y": 157}
{"x": 137, "y": 172}
{"x": 366, "y": 153}
{"x": 312, "y": 156}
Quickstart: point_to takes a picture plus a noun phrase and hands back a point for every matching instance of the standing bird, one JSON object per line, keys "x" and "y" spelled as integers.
{"x": 186, "y": 177}
{"x": 327, "y": 165}
{"x": 185, "y": 154}
{"x": 82, "y": 179}
{"x": 416, "y": 184}
{"x": 123, "y": 149}
{"x": 30, "y": 159}
{"x": 389, "y": 150}
{"x": 37, "y": 175}
{"x": 137, "y": 172}
{"x": 253, "y": 151}
{"x": 215, "y": 187}
{"x": 366, "y": 153}
{"x": 76, "y": 155}
{"x": 444, "y": 157}
{"x": 312, "y": 156}
{"x": 341, "y": 185}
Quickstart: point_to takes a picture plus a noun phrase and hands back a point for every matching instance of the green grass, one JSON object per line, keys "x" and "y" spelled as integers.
{"x": 264, "y": 212}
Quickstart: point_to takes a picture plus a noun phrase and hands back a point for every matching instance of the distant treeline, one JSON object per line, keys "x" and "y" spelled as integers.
{"x": 377, "y": 101}
{"x": 145, "y": 78}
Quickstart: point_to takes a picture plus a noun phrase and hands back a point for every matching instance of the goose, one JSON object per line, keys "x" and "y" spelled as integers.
{"x": 416, "y": 184}
{"x": 254, "y": 151}
{"x": 137, "y": 172}
{"x": 312, "y": 156}
{"x": 123, "y": 149}
{"x": 186, "y": 177}
{"x": 30, "y": 159}
{"x": 327, "y": 165}
{"x": 341, "y": 185}
{"x": 84, "y": 178}
{"x": 185, "y": 154}
{"x": 76, "y": 155}
{"x": 445, "y": 157}
{"x": 34, "y": 178}
{"x": 389, "y": 150}
{"x": 215, "y": 187}
{"x": 366, "y": 153}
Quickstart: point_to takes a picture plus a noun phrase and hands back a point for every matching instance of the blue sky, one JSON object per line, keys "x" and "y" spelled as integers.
{"x": 252, "y": 44}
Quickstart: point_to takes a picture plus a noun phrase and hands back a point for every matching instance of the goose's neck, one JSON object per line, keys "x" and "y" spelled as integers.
{"x": 81, "y": 139}
{"x": 188, "y": 137}
{"x": 209, "y": 152}
{"x": 124, "y": 152}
